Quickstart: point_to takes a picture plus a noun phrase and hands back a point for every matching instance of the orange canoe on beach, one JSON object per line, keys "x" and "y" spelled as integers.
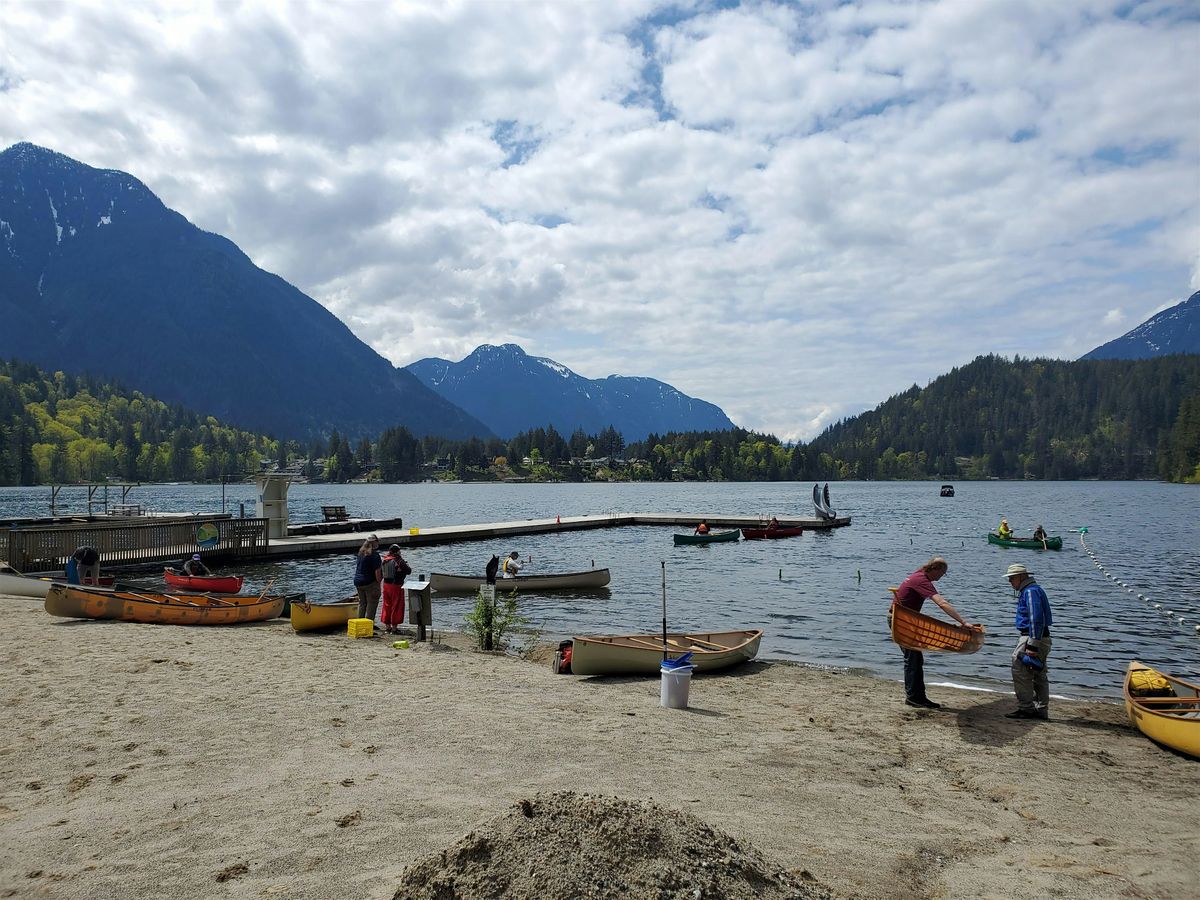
{"x": 916, "y": 631}
{"x": 75, "y": 602}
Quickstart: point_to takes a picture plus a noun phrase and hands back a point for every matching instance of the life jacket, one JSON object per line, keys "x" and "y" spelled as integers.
{"x": 701, "y": 528}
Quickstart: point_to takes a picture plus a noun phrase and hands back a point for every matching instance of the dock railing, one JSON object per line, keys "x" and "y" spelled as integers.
{"x": 46, "y": 548}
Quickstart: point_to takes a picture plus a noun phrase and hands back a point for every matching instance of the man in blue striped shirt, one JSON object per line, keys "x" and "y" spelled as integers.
{"x": 1033, "y": 620}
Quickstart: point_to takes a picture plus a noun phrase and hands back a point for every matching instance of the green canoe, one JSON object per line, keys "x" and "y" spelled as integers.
{"x": 1052, "y": 543}
{"x": 713, "y": 537}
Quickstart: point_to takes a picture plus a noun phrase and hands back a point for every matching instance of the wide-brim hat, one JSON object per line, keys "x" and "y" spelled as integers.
{"x": 1015, "y": 569}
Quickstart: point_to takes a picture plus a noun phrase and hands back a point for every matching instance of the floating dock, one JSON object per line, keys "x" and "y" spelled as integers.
{"x": 132, "y": 544}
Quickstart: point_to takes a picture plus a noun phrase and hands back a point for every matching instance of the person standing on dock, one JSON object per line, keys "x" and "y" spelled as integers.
{"x": 394, "y": 570}
{"x": 368, "y": 573}
{"x": 1033, "y": 620}
{"x": 914, "y": 591}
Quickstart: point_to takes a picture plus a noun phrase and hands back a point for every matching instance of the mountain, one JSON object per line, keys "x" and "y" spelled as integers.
{"x": 511, "y": 391}
{"x": 1174, "y": 330}
{"x": 98, "y": 276}
{"x": 1029, "y": 418}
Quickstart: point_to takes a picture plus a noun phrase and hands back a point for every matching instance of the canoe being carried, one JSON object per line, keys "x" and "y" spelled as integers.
{"x": 916, "y": 631}
{"x": 211, "y": 584}
{"x": 75, "y": 602}
{"x": 551, "y": 581}
{"x": 758, "y": 534}
{"x": 1164, "y": 709}
{"x": 315, "y": 616}
{"x": 642, "y": 654}
{"x": 713, "y": 537}
{"x": 1052, "y": 543}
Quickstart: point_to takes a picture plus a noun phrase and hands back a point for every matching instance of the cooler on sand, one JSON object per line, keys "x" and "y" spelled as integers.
{"x": 676, "y": 677}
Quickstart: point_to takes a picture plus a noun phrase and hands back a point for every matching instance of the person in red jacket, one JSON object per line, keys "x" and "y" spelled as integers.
{"x": 394, "y": 570}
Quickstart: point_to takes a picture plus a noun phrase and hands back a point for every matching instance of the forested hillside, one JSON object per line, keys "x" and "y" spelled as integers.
{"x": 1031, "y": 418}
{"x": 60, "y": 428}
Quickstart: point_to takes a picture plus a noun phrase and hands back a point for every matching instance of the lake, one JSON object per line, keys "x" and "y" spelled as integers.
{"x": 821, "y": 598}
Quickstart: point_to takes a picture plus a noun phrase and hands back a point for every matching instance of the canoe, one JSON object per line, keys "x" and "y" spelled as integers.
{"x": 641, "y": 654}
{"x": 75, "y": 602}
{"x": 551, "y": 581}
{"x": 916, "y": 631}
{"x": 215, "y": 584}
{"x": 1052, "y": 543}
{"x": 713, "y": 537}
{"x": 1169, "y": 716}
{"x": 315, "y": 616}
{"x": 758, "y": 534}
{"x": 15, "y": 584}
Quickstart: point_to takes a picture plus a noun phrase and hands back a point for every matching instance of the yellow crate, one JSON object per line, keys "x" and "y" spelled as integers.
{"x": 414, "y": 531}
{"x": 360, "y": 628}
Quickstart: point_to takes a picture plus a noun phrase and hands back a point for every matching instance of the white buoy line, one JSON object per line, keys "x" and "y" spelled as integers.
{"x": 1176, "y": 616}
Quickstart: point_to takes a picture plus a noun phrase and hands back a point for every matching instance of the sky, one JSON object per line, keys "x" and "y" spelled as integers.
{"x": 792, "y": 210}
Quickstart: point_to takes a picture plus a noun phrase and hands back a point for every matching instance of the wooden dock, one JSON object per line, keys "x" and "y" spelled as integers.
{"x": 318, "y": 545}
{"x": 134, "y": 544}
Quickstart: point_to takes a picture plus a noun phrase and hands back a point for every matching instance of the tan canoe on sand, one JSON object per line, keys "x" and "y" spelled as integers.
{"x": 641, "y": 654}
{"x": 916, "y": 631}
{"x": 75, "y": 602}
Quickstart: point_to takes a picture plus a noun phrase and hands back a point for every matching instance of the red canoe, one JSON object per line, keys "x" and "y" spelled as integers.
{"x": 205, "y": 584}
{"x": 756, "y": 534}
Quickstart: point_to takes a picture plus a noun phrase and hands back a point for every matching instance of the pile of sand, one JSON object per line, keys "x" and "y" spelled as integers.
{"x": 578, "y": 845}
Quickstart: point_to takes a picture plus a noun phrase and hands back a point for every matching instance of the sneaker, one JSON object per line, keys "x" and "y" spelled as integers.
{"x": 1023, "y": 714}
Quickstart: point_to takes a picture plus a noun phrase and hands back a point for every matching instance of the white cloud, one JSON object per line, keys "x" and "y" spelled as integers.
{"x": 858, "y": 195}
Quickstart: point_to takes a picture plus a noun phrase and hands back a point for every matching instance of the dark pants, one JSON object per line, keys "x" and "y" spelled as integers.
{"x": 368, "y": 599}
{"x": 914, "y": 675}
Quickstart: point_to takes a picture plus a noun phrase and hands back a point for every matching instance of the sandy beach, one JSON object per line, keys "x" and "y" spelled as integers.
{"x": 151, "y": 761}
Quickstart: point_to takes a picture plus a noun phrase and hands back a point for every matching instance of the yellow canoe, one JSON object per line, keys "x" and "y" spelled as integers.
{"x": 1169, "y": 716}
{"x": 315, "y": 616}
{"x": 78, "y": 602}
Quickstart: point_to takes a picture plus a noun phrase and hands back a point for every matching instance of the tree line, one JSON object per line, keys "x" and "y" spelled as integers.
{"x": 1021, "y": 418}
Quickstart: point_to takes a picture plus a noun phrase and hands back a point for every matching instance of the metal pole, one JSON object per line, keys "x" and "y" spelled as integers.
{"x": 664, "y": 604}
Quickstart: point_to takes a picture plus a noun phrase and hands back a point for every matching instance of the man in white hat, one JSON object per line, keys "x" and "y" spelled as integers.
{"x": 1033, "y": 620}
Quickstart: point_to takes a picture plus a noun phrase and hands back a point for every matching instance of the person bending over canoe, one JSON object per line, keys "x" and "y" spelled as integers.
{"x": 914, "y": 591}
{"x": 196, "y": 567}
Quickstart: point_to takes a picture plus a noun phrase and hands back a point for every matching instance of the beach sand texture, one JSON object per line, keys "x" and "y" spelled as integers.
{"x": 248, "y": 761}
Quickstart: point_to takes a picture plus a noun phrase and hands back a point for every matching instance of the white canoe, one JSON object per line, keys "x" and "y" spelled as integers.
{"x": 641, "y": 654}
{"x": 15, "y": 584}
{"x": 591, "y": 578}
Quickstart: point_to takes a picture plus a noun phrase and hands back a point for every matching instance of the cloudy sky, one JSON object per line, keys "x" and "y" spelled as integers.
{"x": 793, "y": 210}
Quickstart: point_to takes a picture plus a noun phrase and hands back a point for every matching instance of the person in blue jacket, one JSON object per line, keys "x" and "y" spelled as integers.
{"x": 1033, "y": 620}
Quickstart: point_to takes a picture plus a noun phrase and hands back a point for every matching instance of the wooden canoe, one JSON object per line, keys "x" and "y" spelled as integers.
{"x": 1172, "y": 720}
{"x": 15, "y": 584}
{"x": 204, "y": 584}
{"x": 1052, "y": 543}
{"x": 75, "y": 602}
{"x": 713, "y": 537}
{"x": 551, "y": 581}
{"x": 315, "y": 616}
{"x": 916, "y": 631}
{"x": 783, "y": 531}
{"x": 642, "y": 654}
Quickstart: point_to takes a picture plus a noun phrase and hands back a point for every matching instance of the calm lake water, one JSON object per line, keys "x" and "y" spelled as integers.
{"x": 821, "y": 598}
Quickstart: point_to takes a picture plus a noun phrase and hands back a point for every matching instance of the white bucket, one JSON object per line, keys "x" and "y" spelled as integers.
{"x": 675, "y": 684}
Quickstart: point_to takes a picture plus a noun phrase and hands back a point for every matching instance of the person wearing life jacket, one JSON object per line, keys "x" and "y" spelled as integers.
{"x": 394, "y": 570}
{"x": 510, "y": 568}
{"x": 195, "y": 567}
{"x": 1004, "y": 532}
{"x": 702, "y": 528}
